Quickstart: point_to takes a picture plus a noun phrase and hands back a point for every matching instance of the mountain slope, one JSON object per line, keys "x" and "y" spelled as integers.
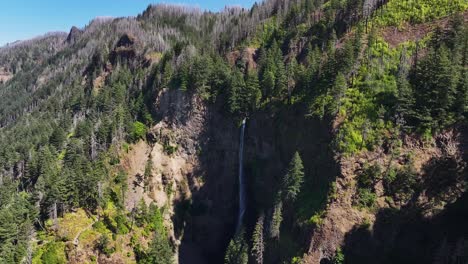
{"x": 119, "y": 141}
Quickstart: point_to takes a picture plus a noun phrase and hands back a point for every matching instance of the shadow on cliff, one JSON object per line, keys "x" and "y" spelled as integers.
{"x": 207, "y": 221}
{"x": 411, "y": 234}
{"x": 272, "y": 137}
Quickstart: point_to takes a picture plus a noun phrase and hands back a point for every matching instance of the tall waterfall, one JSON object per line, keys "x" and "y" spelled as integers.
{"x": 241, "y": 178}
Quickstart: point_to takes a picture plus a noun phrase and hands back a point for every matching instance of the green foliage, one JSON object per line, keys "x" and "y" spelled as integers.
{"x": 155, "y": 219}
{"x": 137, "y": 131}
{"x": 374, "y": 95}
{"x": 159, "y": 251}
{"x": 294, "y": 178}
{"x": 402, "y": 183}
{"x": 369, "y": 176}
{"x": 258, "y": 243}
{"x": 317, "y": 218}
{"x": 417, "y": 11}
{"x": 339, "y": 257}
{"x": 276, "y": 218}
{"x": 17, "y": 213}
{"x": 296, "y": 260}
{"x": 244, "y": 95}
{"x": 121, "y": 224}
{"x": 54, "y": 253}
{"x": 435, "y": 82}
{"x": 366, "y": 198}
{"x": 102, "y": 244}
{"x": 237, "y": 250}
{"x": 58, "y": 137}
{"x": 170, "y": 149}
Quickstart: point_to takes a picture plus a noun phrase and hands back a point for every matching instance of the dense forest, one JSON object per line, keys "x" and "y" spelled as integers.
{"x": 387, "y": 77}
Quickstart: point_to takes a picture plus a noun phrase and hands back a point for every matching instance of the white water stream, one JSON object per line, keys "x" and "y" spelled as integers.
{"x": 241, "y": 179}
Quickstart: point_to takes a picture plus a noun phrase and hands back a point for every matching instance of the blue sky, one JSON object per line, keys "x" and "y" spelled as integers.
{"x": 24, "y": 19}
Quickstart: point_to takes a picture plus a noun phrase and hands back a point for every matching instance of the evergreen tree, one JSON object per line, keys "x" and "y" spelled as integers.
{"x": 167, "y": 74}
{"x": 276, "y": 218}
{"x": 235, "y": 93}
{"x": 244, "y": 96}
{"x": 268, "y": 83}
{"x": 337, "y": 93}
{"x": 58, "y": 137}
{"x": 435, "y": 84}
{"x": 292, "y": 74}
{"x": 160, "y": 251}
{"x": 253, "y": 92}
{"x": 281, "y": 79}
{"x": 258, "y": 243}
{"x": 237, "y": 250}
{"x": 294, "y": 177}
{"x": 461, "y": 102}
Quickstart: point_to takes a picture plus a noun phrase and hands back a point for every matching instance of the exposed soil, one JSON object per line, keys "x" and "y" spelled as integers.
{"x": 5, "y": 75}
{"x": 344, "y": 225}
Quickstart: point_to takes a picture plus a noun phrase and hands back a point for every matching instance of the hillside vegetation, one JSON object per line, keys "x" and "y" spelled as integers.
{"x": 118, "y": 142}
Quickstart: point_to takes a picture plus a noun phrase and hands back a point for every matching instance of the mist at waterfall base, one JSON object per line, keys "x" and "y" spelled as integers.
{"x": 242, "y": 201}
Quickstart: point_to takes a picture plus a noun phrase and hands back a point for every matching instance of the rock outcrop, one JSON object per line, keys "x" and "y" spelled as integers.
{"x": 74, "y": 35}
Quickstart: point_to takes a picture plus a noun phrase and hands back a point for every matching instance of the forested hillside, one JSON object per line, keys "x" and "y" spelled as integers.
{"x": 119, "y": 142}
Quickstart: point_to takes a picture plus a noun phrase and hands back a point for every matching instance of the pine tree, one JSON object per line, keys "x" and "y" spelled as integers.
{"x": 258, "y": 243}
{"x": 58, "y": 137}
{"x": 337, "y": 92}
{"x": 435, "y": 88}
{"x": 461, "y": 102}
{"x": 268, "y": 83}
{"x": 160, "y": 251}
{"x": 253, "y": 93}
{"x": 281, "y": 80}
{"x": 276, "y": 218}
{"x": 405, "y": 97}
{"x": 292, "y": 75}
{"x": 235, "y": 93}
{"x": 148, "y": 175}
{"x": 237, "y": 250}
{"x": 445, "y": 85}
{"x": 294, "y": 177}
{"x": 167, "y": 74}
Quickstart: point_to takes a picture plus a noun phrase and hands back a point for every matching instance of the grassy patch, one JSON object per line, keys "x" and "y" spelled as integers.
{"x": 71, "y": 224}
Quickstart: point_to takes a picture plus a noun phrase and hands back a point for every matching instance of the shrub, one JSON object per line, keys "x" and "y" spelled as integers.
{"x": 170, "y": 149}
{"x": 102, "y": 244}
{"x": 137, "y": 131}
{"x": 369, "y": 175}
{"x": 122, "y": 228}
{"x": 54, "y": 253}
{"x": 317, "y": 218}
{"x": 366, "y": 198}
{"x": 339, "y": 257}
{"x": 401, "y": 183}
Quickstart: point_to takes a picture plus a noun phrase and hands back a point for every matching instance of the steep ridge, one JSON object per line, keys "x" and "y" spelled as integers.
{"x": 136, "y": 121}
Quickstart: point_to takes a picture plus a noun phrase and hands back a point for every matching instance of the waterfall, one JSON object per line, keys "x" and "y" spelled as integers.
{"x": 241, "y": 178}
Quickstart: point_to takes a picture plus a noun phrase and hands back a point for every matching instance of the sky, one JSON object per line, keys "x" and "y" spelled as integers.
{"x": 25, "y": 19}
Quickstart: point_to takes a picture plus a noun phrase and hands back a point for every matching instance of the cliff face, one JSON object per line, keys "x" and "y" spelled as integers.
{"x": 194, "y": 154}
{"x": 194, "y": 159}
{"x": 425, "y": 227}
